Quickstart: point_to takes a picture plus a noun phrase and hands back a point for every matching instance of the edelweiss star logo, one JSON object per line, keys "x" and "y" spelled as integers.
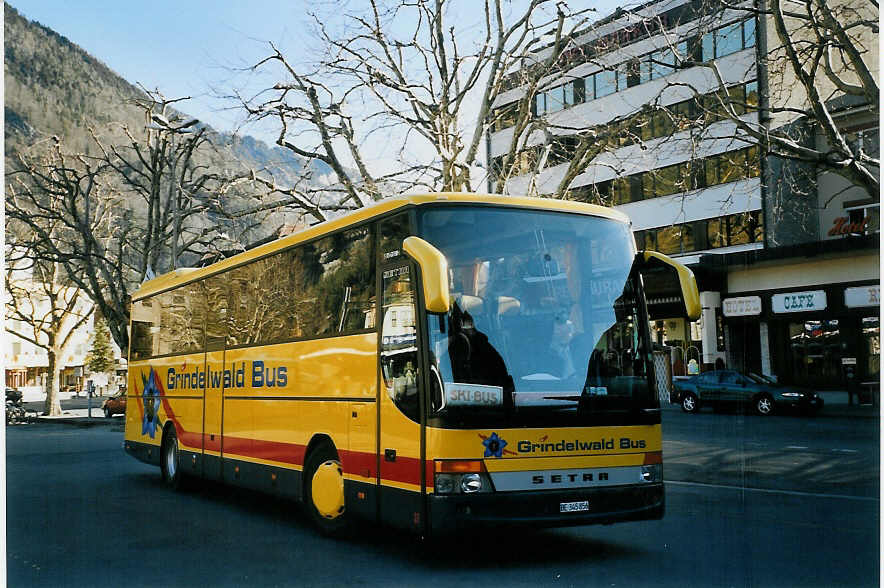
{"x": 151, "y": 398}
{"x": 494, "y": 446}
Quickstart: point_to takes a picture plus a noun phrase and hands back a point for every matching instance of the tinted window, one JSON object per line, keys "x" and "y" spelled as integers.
{"x": 333, "y": 284}
{"x": 345, "y": 287}
{"x": 182, "y": 318}
{"x": 393, "y": 231}
{"x": 320, "y": 288}
{"x": 145, "y": 338}
{"x": 216, "y": 292}
{"x": 730, "y": 378}
{"x": 260, "y": 306}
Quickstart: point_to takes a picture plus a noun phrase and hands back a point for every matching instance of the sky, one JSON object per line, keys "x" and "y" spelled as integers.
{"x": 191, "y": 48}
{"x": 199, "y": 48}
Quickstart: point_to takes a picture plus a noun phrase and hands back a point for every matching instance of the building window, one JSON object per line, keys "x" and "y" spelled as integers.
{"x": 816, "y": 349}
{"x": 605, "y": 83}
{"x": 734, "y": 229}
{"x": 728, "y": 39}
{"x": 539, "y": 104}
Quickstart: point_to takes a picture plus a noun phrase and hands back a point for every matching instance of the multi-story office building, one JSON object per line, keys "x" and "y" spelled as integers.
{"x": 759, "y": 232}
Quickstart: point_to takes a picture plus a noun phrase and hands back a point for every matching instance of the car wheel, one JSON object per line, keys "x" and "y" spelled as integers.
{"x": 689, "y": 403}
{"x": 324, "y": 490}
{"x": 764, "y": 405}
{"x": 169, "y": 459}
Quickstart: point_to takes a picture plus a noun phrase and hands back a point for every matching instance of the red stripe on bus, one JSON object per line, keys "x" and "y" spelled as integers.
{"x": 290, "y": 453}
{"x": 405, "y": 470}
{"x": 359, "y": 463}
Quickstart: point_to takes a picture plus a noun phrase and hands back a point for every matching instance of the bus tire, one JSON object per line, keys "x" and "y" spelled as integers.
{"x": 170, "y": 459}
{"x": 324, "y": 490}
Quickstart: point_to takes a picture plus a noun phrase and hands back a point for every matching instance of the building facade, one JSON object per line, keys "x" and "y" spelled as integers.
{"x": 27, "y": 365}
{"x": 786, "y": 256}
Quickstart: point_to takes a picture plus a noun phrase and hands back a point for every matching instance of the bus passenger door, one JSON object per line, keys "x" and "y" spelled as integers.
{"x": 399, "y": 439}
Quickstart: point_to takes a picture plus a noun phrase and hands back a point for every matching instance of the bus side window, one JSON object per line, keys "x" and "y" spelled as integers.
{"x": 346, "y": 281}
{"x": 393, "y": 231}
{"x": 145, "y": 328}
{"x": 215, "y": 289}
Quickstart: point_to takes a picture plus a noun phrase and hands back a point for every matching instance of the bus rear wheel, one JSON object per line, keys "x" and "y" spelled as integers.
{"x": 169, "y": 459}
{"x": 324, "y": 490}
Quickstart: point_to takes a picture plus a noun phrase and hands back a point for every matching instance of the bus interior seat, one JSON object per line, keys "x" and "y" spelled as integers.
{"x": 508, "y": 306}
{"x": 472, "y": 304}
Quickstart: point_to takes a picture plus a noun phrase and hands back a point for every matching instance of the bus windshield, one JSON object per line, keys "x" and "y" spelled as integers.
{"x": 547, "y": 324}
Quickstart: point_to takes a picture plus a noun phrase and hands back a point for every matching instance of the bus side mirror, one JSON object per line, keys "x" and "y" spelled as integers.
{"x": 434, "y": 270}
{"x": 652, "y": 260}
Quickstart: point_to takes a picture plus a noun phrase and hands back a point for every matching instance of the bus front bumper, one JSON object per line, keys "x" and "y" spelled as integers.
{"x": 612, "y": 504}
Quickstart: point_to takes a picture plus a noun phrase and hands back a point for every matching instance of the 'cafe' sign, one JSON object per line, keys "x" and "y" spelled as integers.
{"x": 799, "y": 301}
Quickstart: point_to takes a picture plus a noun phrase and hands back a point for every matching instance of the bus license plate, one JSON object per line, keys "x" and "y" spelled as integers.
{"x": 574, "y": 506}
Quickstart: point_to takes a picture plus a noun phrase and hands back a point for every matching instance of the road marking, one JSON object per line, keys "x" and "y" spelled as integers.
{"x": 845, "y": 451}
{"x": 795, "y": 447}
{"x": 769, "y": 491}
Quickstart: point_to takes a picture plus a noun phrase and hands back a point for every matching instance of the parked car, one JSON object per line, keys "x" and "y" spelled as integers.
{"x": 116, "y": 404}
{"x": 13, "y": 395}
{"x": 721, "y": 388}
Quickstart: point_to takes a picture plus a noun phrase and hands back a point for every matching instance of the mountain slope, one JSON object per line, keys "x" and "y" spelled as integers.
{"x": 54, "y": 87}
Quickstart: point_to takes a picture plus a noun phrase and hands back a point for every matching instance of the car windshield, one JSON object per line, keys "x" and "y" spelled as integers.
{"x": 545, "y": 326}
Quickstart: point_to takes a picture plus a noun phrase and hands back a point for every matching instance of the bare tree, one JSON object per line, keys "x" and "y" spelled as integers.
{"x": 427, "y": 87}
{"x": 60, "y": 210}
{"x": 112, "y": 220}
{"x": 50, "y": 310}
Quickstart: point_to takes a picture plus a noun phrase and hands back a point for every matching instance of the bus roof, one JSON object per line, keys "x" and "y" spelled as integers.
{"x": 183, "y": 275}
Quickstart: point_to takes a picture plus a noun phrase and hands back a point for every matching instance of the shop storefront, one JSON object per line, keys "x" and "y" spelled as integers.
{"x": 808, "y": 336}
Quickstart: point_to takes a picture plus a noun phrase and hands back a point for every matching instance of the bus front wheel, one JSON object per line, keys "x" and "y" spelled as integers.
{"x": 324, "y": 490}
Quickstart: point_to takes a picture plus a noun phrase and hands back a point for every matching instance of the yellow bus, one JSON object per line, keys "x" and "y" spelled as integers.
{"x": 430, "y": 362}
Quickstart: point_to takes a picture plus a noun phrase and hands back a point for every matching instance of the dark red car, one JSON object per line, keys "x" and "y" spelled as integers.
{"x": 116, "y": 404}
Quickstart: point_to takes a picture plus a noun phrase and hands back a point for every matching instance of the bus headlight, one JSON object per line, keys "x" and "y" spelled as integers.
{"x": 471, "y": 483}
{"x": 652, "y": 473}
{"x": 461, "y": 477}
{"x": 444, "y": 484}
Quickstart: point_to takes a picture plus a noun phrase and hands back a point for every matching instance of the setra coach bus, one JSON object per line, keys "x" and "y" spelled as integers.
{"x": 431, "y": 362}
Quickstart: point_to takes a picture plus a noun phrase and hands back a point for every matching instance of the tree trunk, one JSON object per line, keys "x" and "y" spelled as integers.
{"x": 52, "y": 407}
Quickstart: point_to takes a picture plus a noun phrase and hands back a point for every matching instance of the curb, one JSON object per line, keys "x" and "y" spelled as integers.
{"x": 79, "y": 421}
{"x": 866, "y": 411}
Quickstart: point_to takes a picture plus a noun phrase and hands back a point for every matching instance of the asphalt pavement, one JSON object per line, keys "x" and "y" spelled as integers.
{"x": 75, "y": 410}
